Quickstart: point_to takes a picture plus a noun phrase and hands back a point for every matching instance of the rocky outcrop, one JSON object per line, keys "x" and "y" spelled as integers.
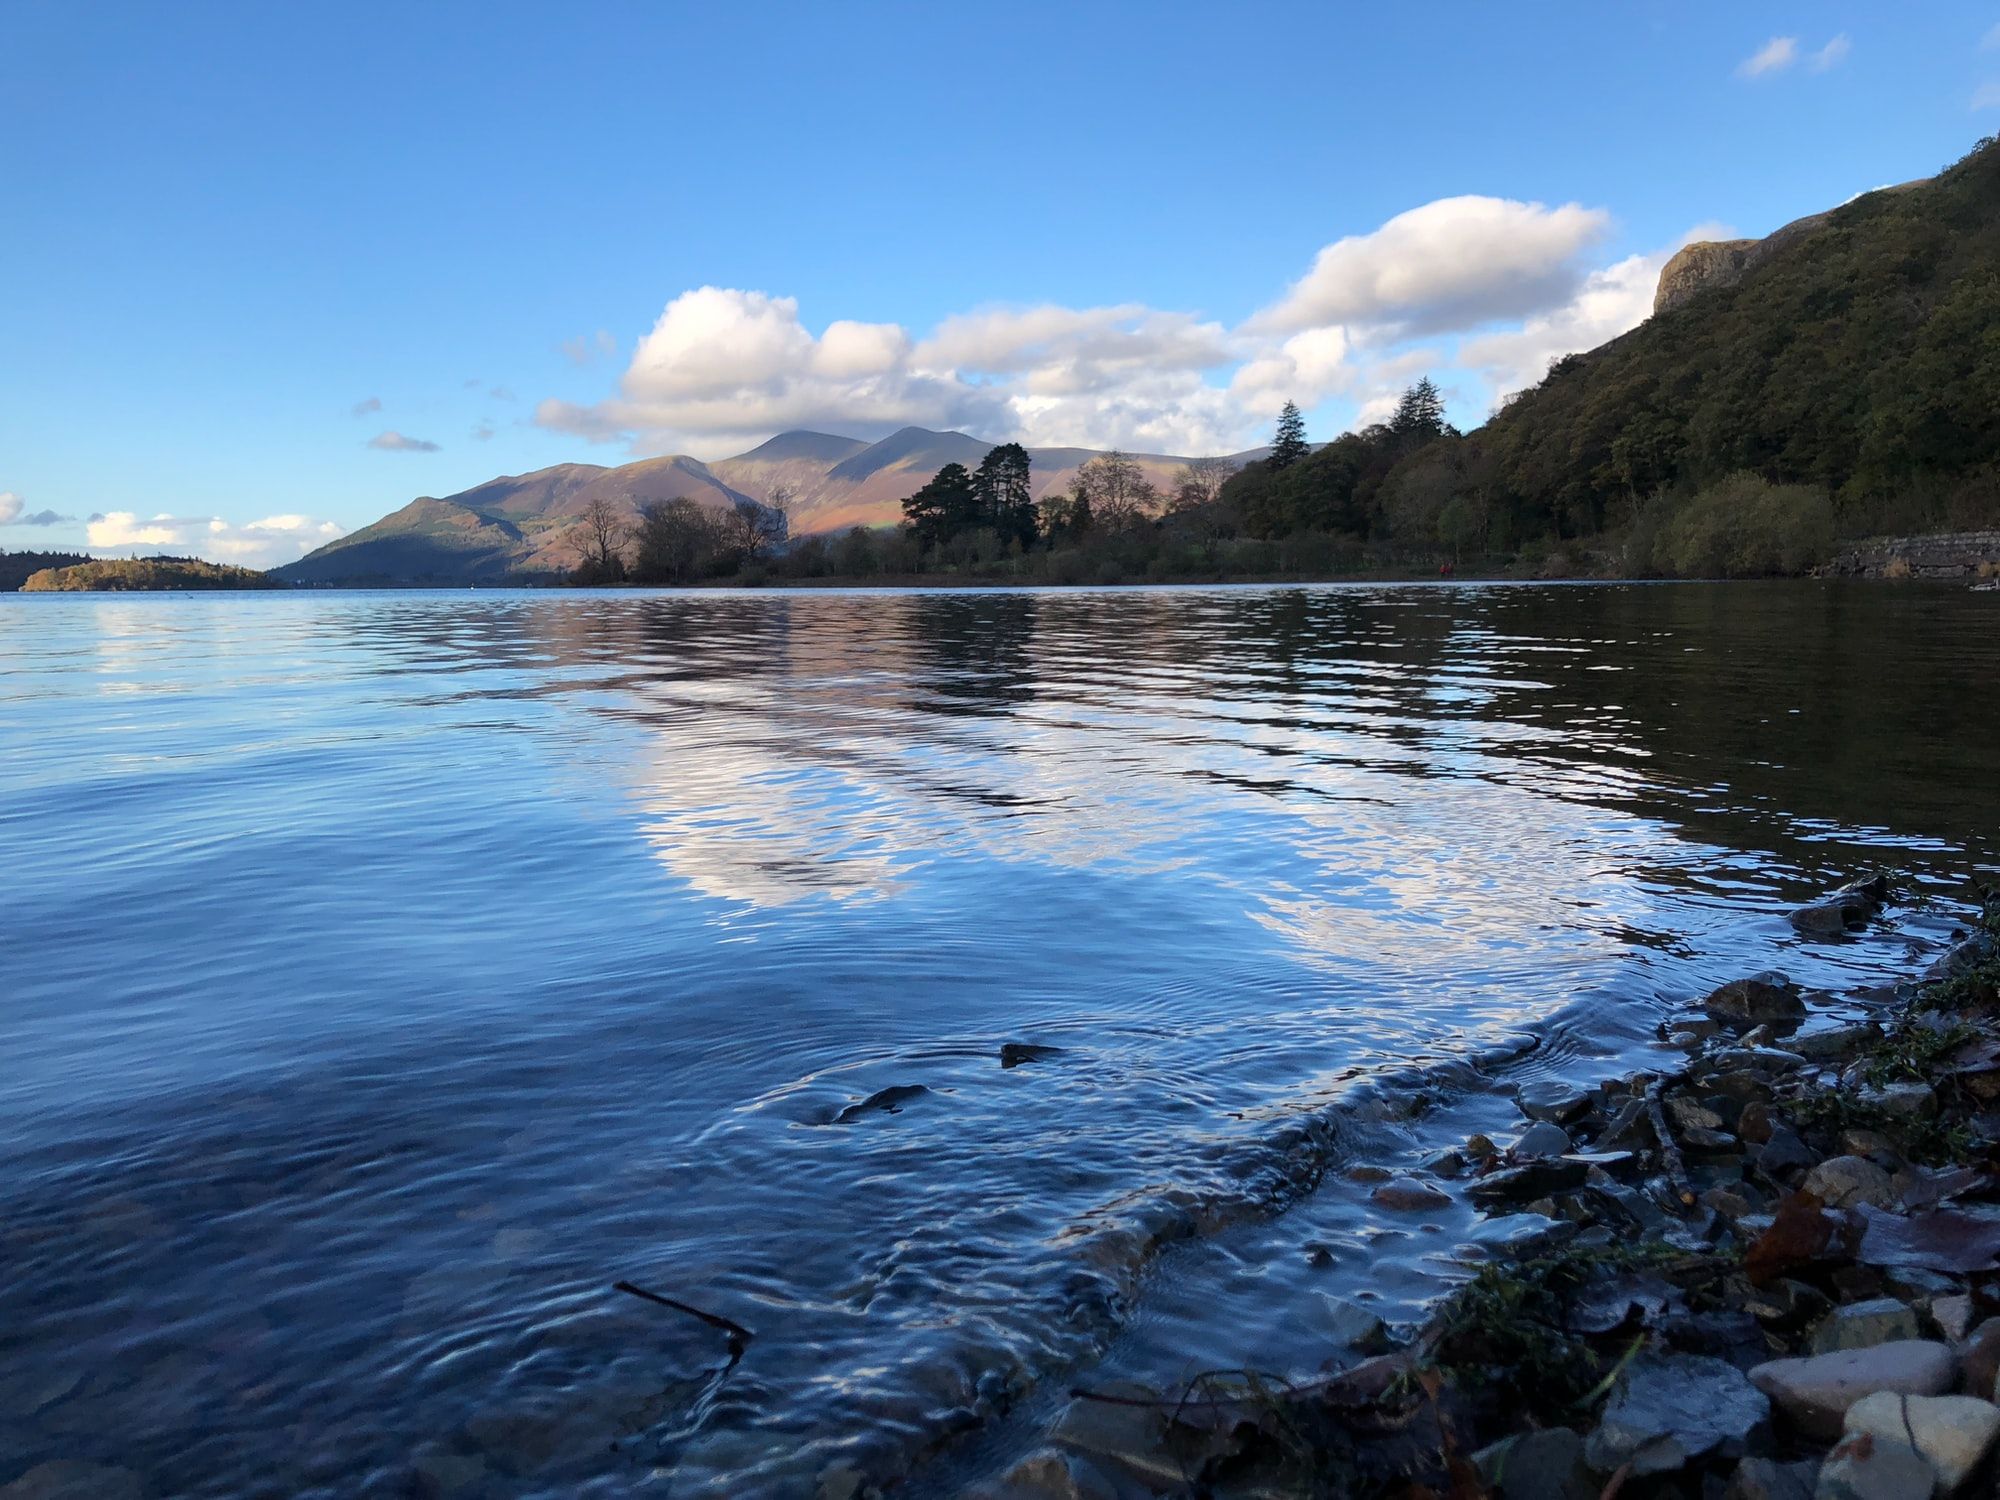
{"x": 1704, "y": 264}
{"x": 1710, "y": 263}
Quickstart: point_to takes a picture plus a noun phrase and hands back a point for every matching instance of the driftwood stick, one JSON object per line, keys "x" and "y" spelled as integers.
{"x": 738, "y": 1334}
{"x": 1670, "y": 1151}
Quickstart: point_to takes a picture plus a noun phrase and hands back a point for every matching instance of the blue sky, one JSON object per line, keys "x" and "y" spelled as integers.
{"x": 270, "y": 271}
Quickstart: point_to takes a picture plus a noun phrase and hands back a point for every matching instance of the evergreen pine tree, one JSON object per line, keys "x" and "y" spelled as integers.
{"x": 1289, "y": 446}
{"x": 1420, "y": 413}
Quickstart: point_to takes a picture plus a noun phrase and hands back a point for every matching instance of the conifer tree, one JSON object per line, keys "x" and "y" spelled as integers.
{"x": 1289, "y": 446}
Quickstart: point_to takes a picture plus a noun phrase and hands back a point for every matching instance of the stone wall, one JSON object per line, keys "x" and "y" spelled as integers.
{"x": 1963, "y": 554}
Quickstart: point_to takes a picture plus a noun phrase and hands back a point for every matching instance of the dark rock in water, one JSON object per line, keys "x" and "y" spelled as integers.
{"x": 1531, "y": 1180}
{"x": 1843, "y": 910}
{"x": 1410, "y": 1194}
{"x": 1744, "y": 1003}
{"x": 1521, "y": 1234}
{"x": 1672, "y": 1409}
{"x": 1554, "y": 1101}
{"x": 1543, "y": 1465}
{"x": 1543, "y": 1139}
{"x": 882, "y": 1101}
{"x": 1013, "y": 1054}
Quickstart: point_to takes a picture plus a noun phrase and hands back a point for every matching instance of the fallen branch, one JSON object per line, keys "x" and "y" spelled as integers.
{"x": 1670, "y": 1151}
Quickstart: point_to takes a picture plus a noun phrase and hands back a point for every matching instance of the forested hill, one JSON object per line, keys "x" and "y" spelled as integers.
{"x": 16, "y": 567}
{"x": 1862, "y": 358}
{"x": 144, "y": 574}
{"x": 1843, "y": 380}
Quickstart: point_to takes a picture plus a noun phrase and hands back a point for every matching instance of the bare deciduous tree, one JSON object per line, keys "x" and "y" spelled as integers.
{"x": 602, "y": 534}
{"x": 1119, "y": 494}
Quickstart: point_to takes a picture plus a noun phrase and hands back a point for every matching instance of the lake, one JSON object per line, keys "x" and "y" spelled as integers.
{"x": 387, "y": 976}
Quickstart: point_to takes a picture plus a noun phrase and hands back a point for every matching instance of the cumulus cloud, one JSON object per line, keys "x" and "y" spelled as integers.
{"x": 723, "y": 368}
{"x": 1831, "y": 55}
{"x": 1452, "y": 264}
{"x": 362, "y": 408}
{"x": 11, "y": 506}
{"x": 258, "y": 544}
{"x": 1774, "y": 56}
{"x": 1611, "y": 301}
{"x": 392, "y": 441}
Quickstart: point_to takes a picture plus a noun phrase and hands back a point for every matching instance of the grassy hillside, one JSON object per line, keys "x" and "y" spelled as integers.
{"x": 138, "y": 574}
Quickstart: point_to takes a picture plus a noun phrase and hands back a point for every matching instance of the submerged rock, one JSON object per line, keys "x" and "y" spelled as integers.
{"x": 1816, "y": 1392}
{"x": 1953, "y": 1433}
{"x": 1410, "y": 1194}
{"x": 1670, "y": 1409}
{"x": 882, "y": 1101}
{"x": 1531, "y": 1180}
{"x": 1013, "y": 1054}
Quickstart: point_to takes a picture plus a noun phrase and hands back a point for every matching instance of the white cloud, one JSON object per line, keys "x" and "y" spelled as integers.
{"x": 1611, "y": 301}
{"x": 1449, "y": 265}
{"x": 1774, "y": 56}
{"x": 1831, "y": 55}
{"x": 392, "y": 441}
{"x": 1986, "y": 96}
{"x": 258, "y": 544}
{"x": 14, "y": 512}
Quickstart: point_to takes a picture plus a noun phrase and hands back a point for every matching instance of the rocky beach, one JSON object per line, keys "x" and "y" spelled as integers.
{"x": 1767, "y": 1269}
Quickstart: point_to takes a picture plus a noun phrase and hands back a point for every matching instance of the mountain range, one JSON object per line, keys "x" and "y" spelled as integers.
{"x": 520, "y": 526}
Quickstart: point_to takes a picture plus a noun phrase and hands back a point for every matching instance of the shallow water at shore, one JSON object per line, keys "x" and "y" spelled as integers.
{"x": 388, "y": 975}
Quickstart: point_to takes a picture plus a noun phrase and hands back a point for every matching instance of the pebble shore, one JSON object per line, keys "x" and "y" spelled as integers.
{"x": 1770, "y": 1272}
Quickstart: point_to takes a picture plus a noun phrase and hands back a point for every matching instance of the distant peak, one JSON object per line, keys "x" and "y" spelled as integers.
{"x": 825, "y": 447}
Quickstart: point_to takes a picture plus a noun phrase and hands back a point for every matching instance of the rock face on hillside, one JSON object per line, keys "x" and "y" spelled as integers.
{"x": 1703, "y": 264}
{"x": 1711, "y": 263}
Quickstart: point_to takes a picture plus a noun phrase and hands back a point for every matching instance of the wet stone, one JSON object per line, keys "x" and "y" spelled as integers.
{"x": 1904, "y": 1101}
{"x": 1531, "y": 1180}
{"x": 1953, "y": 1433}
{"x": 1687, "y": 1114}
{"x": 1754, "y": 1124}
{"x": 1980, "y": 1357}
{"x": 1671, "y": 1409}
{"x": 1868, "y": 1468}
{"x": 1862, "y": 1325}
{"x": 1844, "y": 1181}
{"x": 1543, "y": 1139}
{"x": 1051, "y": 1475}
{"x": 1552, "y": 1100}
{"x": 1351, "y": 1326}
{"x": 1410, "y": 1195}
{"x": 1784, "y": 1153}
{"x": 1815, "y": 1392}
{"x": 1521, "y": 1234}
{"x": 1787, "y": 1304}
{"x": 1744, "y": 1003}
{"x": 1835, "y": 1044}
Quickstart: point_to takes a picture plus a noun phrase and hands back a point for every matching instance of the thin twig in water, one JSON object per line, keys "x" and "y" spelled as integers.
{"x": 739, "y": 1336}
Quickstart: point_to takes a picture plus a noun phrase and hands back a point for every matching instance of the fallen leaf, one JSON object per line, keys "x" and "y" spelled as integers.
{"x": 1802, "y": 1231}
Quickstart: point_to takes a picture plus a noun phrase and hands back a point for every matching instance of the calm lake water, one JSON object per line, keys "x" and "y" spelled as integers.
{"x": 386, "y": 976}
